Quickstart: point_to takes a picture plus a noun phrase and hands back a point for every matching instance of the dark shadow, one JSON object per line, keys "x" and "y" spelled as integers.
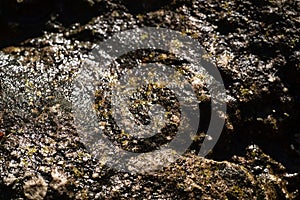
{"x": 19, "y": 21}
{"x": 29, "y": 19}
{"x": 144, "y": 6}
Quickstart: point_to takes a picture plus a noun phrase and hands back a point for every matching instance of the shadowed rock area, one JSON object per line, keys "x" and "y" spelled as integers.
{"x": 254, "y": 44}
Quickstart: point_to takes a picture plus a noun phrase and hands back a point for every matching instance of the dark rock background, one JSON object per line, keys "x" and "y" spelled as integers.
{"x": 256, "y": 47}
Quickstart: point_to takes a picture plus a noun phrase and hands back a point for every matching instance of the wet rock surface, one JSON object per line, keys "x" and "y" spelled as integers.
{"x": 255, "y": 45}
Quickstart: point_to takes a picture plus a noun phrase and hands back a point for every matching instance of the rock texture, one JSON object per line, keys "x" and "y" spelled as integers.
{"x": 255, "y": 45}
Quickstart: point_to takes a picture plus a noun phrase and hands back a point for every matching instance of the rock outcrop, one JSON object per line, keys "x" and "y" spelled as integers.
{"x": 255, "y": 45}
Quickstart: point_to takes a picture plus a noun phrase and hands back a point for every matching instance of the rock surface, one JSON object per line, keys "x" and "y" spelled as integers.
{"x": 255, "y": 45}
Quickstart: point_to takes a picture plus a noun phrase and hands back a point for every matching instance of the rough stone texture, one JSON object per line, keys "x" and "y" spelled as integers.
{"x": 35, "y": 189}
{"x": 197, "y": 178}
{"x": 255, "y": 45}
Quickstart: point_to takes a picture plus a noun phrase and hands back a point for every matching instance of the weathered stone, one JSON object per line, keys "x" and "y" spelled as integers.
{"x": 255, "y": 45}
{"x": 35, "y": 188}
